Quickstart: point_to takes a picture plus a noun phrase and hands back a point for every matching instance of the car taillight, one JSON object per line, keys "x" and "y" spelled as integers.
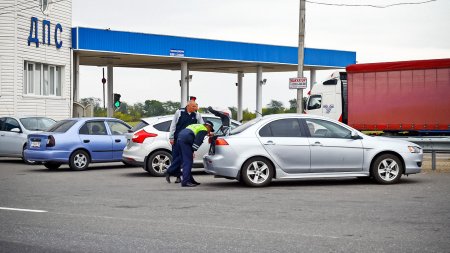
{"x": 51, "y": 141}
{"x": 139, "y": 137}
{"x": 221, "y": 142}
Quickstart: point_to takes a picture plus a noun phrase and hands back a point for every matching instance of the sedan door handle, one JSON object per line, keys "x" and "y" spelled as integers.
{"x": 317, "y": 144}
{"x": 117, "y": 140}
{"x": 269, "y": 143}
{"x": 86, "y": 141}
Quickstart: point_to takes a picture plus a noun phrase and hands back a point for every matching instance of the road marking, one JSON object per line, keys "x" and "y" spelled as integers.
{"x": 23, "y": 210}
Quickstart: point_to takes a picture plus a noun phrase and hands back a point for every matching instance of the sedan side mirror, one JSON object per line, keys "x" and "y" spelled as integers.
{"x": 15, "y": 130}
{"x": 355, "y": 136}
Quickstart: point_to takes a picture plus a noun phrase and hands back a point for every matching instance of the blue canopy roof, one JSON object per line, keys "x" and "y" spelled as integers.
{"x": 130, "y": 49}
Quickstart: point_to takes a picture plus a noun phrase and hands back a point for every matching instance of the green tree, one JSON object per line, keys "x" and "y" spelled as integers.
{"x": 171, "y": 107}
{"x": 246, "y": 115}
{"x": 153, "y": 108}
{"x": 124, "y": 108}
{"x": 274, "y": 107}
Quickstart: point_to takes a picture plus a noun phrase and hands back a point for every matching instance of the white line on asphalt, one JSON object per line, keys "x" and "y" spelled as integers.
{"x": 23, "y": 210}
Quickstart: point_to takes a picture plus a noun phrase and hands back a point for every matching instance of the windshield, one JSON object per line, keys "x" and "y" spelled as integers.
{"x": 139, "y": 126}
{"x": 244, "y": 126}
{"x": 62, "y": 126}
{"x": 37, "y": 124}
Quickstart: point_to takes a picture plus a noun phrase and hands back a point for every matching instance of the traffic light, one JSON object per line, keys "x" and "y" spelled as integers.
{"x": 117, "y": 102}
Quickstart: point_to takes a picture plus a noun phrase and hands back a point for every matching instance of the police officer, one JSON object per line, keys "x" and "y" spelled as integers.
{"x": 182, "y": 118}
{"x": 189, "y": 140}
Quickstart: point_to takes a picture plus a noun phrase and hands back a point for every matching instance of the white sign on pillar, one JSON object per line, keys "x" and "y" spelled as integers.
{"x": 298, "y": 83}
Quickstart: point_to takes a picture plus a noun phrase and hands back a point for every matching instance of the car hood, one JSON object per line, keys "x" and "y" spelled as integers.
{"x": 391, "y": 141}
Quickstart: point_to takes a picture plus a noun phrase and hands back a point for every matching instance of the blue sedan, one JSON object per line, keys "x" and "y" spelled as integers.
{"x": 78, "y": 142}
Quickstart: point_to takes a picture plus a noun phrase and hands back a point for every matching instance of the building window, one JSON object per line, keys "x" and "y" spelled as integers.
{"x": 42, "y": 79}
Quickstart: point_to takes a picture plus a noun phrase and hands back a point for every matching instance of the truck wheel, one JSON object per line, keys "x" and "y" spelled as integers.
{"x": 387, "y": 169}
{"x": 257, "y": 172}
{"x": 52, "y": 166}
{"x": 79, "y": 160}
{"x": 158, "y": 163}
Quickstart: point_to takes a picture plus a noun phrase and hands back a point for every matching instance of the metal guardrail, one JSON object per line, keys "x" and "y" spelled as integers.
{"x": 431, "y": 145}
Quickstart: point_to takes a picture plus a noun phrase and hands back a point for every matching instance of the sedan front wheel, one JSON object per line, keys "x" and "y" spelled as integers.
{"x": 257, "y": 172}
{"x": 387, "y": 169}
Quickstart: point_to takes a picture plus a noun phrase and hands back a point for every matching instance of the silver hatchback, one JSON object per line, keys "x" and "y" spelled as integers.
{"x": 14, "y": 132}
{"x": 148, "y": 145}
{"x": 292, "y": 146}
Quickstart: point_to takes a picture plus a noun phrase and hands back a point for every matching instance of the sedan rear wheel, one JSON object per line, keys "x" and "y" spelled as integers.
{"x": 257, "y": 172}
{"x": 79, "y": 160}
{"x": 387, "y": 169}
{"x": 158, "y": 163}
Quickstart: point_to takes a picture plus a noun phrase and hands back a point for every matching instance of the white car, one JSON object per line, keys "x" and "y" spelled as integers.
{"x": 149, "y": 147}
{"x": 14, "y": 132}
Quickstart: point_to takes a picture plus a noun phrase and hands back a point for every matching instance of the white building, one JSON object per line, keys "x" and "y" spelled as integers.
{"x": 35, "y": 58}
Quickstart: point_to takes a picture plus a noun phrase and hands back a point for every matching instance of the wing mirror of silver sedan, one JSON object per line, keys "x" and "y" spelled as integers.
{"x": 355, "y": 136}
{"x": 15, "y": 130}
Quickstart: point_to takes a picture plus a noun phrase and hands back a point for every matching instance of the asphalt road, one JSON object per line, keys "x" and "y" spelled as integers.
{"x": 112, "y": 208}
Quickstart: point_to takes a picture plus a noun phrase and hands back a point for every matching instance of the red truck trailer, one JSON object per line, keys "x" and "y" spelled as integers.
{"x": 407, "y": 96}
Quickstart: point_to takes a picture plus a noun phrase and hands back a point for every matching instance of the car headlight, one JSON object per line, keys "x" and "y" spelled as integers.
{"x": 414, "y": 149}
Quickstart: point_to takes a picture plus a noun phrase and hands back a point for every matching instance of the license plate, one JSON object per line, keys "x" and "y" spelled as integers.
{"x": 35, "y": 144}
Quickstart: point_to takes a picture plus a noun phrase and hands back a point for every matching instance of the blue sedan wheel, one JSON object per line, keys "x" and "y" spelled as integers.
{"x": 79, "y": 160}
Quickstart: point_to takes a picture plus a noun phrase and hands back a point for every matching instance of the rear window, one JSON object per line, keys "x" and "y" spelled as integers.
{"x": 62, "y": 126}
{"x": 37, "y": 124}
{"x": 139, "y": 126}
{"x": 163, "y": 126}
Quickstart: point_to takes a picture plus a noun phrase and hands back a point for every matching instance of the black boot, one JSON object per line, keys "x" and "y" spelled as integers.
{"x": 178, "y": 180}
{"x": 194, "y": 182}
{"x": 167, "y": 177}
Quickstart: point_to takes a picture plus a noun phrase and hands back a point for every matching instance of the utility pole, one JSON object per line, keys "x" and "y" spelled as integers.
{"x": 301, "y": 49}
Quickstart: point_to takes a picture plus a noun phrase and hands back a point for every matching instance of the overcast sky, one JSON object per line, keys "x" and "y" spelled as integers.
{"x": 407, "y": 32}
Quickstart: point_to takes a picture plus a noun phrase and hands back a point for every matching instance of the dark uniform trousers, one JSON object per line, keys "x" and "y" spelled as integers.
{"x": 182, "y": 153}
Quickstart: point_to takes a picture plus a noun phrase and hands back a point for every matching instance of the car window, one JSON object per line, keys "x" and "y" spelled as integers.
{"x": 163, "y": 126}
{"x": 326, "y": 129}
{"x": 11, "y": 123}
{"x": 93, "y": 128}
{"x": 265, "y": 131}
{"x": 36, "y": 123}
{"x": 2, "y": 124}
{"x": 117, "y": 128}
{"x": 315, "y": 102}
{"x": 216, "y": 121}
{"x": 139, "y": 126}
{"x": 282, "y": 128}
{"x": 62, "y": 126}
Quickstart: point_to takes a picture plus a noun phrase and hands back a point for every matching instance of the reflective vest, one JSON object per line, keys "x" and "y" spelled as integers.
{"x": 196, "y": 128}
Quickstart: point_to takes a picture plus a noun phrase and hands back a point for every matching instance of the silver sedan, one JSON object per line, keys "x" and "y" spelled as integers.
{"x": 293, "y": 146}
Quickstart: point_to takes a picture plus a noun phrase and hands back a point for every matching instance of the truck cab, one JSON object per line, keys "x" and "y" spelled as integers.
{"x": 329, "y": 98}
